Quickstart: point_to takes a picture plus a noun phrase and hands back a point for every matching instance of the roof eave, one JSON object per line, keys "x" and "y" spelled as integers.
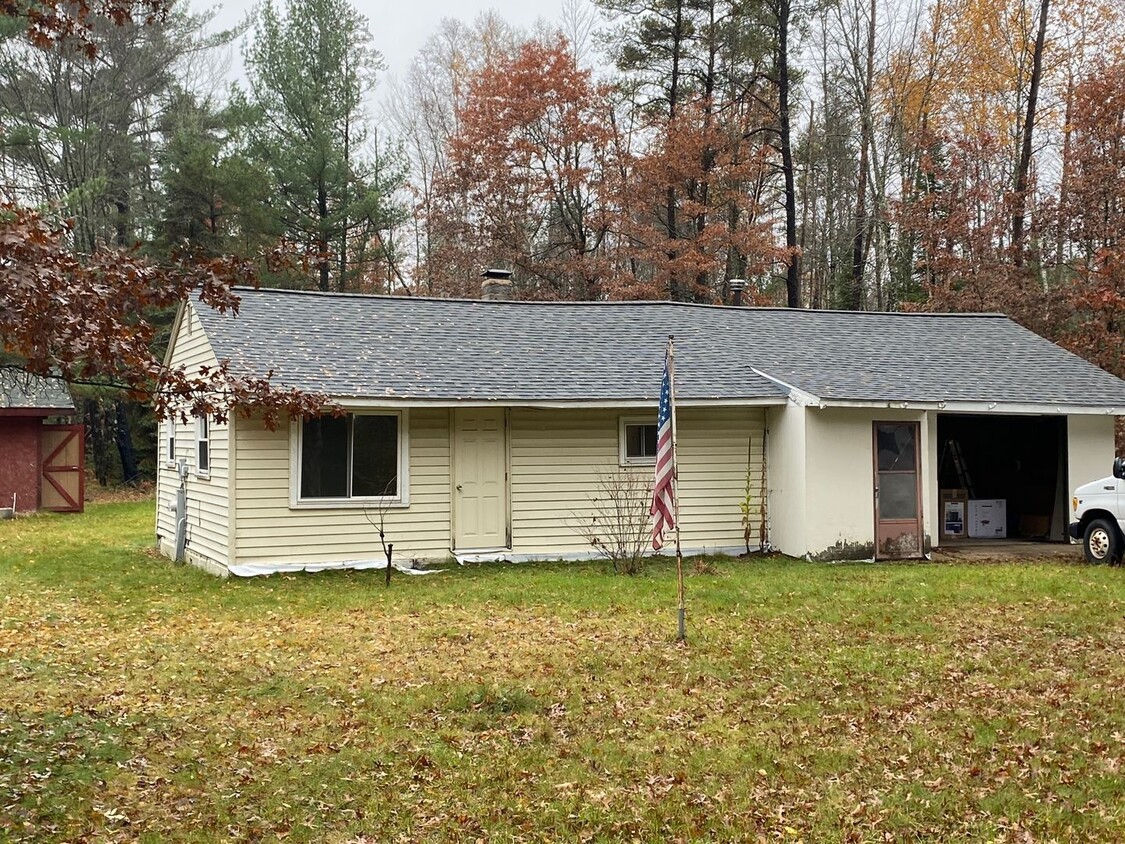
{"x": 362, "y": 402}
{"x": 174, "y": 333}
{"x": 37, "y": 411}
{"x": 986, "y": 407}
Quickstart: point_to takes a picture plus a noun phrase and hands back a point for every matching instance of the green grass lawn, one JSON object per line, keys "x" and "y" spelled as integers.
{"x": 144, "y": 701}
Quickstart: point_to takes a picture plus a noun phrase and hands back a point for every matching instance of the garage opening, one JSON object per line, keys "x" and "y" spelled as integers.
{"x": 1002, "y": 477}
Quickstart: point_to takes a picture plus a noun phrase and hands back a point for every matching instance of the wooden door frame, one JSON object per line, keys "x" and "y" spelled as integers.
{"x": 46, "y": 470}
{"x": 919, "y": 507}
{"x": 454, "y": 432}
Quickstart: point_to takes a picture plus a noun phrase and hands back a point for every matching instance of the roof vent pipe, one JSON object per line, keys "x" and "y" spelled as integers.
{"x": 736, "y": 287}
{"x": 497, "y": 285}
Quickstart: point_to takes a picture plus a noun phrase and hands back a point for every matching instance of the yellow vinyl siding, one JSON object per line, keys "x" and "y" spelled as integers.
{"x": 558, "y": 456}
{"x": 267, "y": 529}
{"x": 207, "y": 497}
{"x": 556, "y": 459}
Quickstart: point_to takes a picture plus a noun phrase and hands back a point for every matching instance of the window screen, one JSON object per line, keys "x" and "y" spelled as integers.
{"x": 203, "y": 445}
{"x": 324, "y": 457}
{"x": 350, "y": 456}
{"x": 375, "y": 455}
{"x": 640, "y": 441}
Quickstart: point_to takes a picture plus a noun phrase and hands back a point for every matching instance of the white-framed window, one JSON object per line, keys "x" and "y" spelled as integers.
{"x": 355, "y": 459}
{"x": 637, "y": 443}
{"x": 171, "y": 442}
{"x": 202, "y": 445}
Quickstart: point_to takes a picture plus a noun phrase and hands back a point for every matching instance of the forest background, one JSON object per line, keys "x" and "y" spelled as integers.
{"x": 953, "y": 155}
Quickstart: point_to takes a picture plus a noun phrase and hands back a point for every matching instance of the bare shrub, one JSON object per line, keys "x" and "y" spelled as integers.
{"x": 618, "y": 527}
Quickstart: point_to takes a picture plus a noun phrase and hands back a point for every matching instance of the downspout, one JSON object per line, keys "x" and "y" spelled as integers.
{"x": 764, "y": 527}
{"x": 181, "y": 512}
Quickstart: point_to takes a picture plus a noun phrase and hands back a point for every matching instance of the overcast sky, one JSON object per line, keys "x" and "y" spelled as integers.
{"x": 399, "y": 27}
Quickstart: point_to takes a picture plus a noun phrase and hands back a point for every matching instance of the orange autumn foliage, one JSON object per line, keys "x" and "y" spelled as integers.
{"x": 720, "y": 180}
{"x": 1094, "y": 218}
{"x": 525, "y": 181}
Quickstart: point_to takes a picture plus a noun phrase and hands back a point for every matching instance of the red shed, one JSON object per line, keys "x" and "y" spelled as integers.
{"x": 41, "y": 465}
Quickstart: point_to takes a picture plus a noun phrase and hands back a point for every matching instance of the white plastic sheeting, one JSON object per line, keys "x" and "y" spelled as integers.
{"x": 264, "y": 568}
{"x": 669, "y": 550}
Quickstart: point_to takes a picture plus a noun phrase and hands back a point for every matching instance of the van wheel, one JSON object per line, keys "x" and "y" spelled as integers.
{"x": 1102, "y": 543}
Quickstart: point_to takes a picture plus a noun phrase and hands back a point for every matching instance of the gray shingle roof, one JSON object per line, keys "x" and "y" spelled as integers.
{"x": 449, "y": 349}
{"x": 21, "y": 390}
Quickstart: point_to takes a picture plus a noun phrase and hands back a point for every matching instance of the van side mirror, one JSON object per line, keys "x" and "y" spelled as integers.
{"x": 1119, "y": 468}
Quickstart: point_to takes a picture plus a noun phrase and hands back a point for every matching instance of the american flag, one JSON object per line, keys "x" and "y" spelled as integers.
{"x": 663, "y": 494}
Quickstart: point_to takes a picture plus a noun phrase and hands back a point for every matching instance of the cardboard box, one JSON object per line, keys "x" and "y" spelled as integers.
{"x": 1035, "y": 527}
{"x": 954, "y": 513}
{"x": 988, "y": 518}
{"x": 952, "y": 519}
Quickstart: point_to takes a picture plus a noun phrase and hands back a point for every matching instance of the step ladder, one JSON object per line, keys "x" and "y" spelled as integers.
{"x": 954, "y": 452}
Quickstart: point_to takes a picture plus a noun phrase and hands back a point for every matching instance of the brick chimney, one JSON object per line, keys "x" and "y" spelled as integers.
{"x": 497, "y": 285}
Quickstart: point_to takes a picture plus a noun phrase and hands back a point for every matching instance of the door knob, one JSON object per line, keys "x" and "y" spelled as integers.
{"x": 458, "y": 487}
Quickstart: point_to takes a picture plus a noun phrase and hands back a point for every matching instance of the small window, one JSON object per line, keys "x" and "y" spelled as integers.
{"x": 638, "y": 442}
{"x": 354, "y": 456}
{"x": 172, "y": 441}
{"x": 202, "y": 445}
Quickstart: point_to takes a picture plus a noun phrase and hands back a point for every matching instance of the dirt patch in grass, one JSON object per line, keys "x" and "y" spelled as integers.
{"x": 144, "y": 701}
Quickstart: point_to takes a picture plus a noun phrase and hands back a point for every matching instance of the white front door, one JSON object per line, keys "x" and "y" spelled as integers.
{"x": 480, "y": 480}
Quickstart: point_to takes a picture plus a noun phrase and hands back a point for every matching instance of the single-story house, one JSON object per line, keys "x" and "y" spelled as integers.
{"x": 480, "y": 429}
{"x": 42, "y": 466}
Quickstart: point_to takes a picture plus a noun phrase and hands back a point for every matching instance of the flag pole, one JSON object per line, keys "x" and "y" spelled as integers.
{"x": 681, "y": 610}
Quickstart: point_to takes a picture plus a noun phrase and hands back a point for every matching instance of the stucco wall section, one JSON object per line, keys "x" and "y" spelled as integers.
{"x": 787, "y": 482}
{"x": 558, "y": 456}
{"x": 840, "y": 476}
{"x": 268, "y": 530}
{"x": 207, "y": 496}
{"x": 19, "y": 462}
{"x": 1089, "y": 449}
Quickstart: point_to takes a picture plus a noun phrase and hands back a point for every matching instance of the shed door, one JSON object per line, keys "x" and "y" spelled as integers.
{"x": 480, "y": 478}
{"x": 63, "y": 487}
{"x": 898, "y": 506}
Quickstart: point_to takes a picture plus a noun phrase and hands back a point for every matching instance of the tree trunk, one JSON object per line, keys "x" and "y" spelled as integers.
{"x": 1064, "y": 178}
{"x": 322, "y": 235}
{"x": 93, "y": 418}
{"x": 344, "y": 196}
{"x": 123, "y": 435}
{"x": 793, "y": 274}
{"x": 806, "y": 204}
{"x": 736, "y": 261}
{"x": 121, "y": 224}
{"x": 675, "y": 291}
{"x": 859, "y": 253}
{"x": 1028, "y": 126}
{"x": 703, "y": 291}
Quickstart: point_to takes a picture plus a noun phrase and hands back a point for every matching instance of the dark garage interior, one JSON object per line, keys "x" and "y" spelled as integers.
{"x": 1017, "y": 460}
